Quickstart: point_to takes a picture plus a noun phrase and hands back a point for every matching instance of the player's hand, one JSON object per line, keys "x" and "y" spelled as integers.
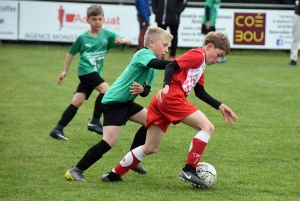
{"x": 136, "y": 88}
{"x": 227, "y": 113}
{"x": 61, "y": 77}
{"x": 119, "y": 41}
{"x": 207, "y": 26}
{"x": 162, "y": 93}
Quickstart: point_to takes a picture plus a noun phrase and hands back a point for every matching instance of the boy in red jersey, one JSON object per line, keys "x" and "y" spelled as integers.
{"x": 171, "y": 106}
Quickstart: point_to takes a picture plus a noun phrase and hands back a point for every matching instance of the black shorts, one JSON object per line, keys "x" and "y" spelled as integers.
{"x": 206, "y": 31}
{"x": 117, "y": 114}
{"x": 88, "y": 83}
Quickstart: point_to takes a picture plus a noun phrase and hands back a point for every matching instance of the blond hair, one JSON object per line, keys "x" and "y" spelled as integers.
{"x": 219, "y": 40}
{"x": 94, "y": 10}
{"x": 156, "y": 33}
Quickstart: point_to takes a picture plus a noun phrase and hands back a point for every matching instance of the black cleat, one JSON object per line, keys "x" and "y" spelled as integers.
{"x": 75, "y": 174}
{"x": 190, "y": 175}
{"x": 95, "y": 128}
{"x": 139, "y": 169}
{"x": 111, "y": 177}
{"x": 58, "y": 134}
{"x": 293, "y": 63}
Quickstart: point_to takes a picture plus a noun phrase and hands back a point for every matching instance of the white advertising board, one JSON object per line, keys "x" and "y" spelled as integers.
{"x": 8, "y": 20}
{"x": 63, "y": 22}
{"x": 245, "y": 28}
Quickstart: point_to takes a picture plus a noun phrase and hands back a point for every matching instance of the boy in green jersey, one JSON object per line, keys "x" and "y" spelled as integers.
{"x": 93, "y": 46}
{"x": 210, "y": 16}
{"x": 118, "y": 102}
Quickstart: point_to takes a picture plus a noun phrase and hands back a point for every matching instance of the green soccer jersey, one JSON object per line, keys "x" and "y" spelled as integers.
{"x": 136, "y": 71}
{"x": 214, "y": 6}
{"x": 93, "y": 50}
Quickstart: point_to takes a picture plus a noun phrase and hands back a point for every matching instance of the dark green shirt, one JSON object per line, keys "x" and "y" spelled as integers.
{"x": 93, "y": 50}
{"x": 136, "y": 71}
{"x": 214, "y": 6}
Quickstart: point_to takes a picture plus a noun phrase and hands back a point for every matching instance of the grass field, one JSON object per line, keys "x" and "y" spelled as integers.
{"x": 256, "y": 158}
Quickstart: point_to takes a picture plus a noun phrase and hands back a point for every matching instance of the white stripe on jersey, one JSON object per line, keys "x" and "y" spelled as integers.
{"x": 193, "y": 76}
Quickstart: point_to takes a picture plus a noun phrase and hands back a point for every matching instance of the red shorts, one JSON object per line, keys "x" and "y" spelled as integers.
{"x": 173, "y": 108}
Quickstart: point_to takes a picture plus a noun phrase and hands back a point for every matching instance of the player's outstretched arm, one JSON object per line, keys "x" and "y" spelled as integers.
{"x": 160, "y": 64}
{"x": 124, "y": 41}
{"x": 204, "y": 96}
{"x": 63, "y": 74}
{"x": 228, "y": 114}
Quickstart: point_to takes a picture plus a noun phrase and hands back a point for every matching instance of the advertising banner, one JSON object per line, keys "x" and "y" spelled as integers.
{"x": 8, "y": 20}
{"x": 245, "y": 28}
{"x": 63, "y": 22}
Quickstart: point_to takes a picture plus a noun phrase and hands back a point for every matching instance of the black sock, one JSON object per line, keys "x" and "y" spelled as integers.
{"x": 68, "y": 115}
{"x": 139, "y": 138}
{"x": 188, "y": 167}
{"x": 93, "y": 155}
{"x": 97, "y": 109}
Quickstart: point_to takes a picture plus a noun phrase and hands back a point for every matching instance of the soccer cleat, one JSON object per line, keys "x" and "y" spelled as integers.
{"x": 95, "y": 128}
{"x": 192, "y": 177}
{"x": 111, "y": 177}
{"x": 74, "y": 174}
{"x": 139, "y": 169}
{"x": 293, "y": 63}
{"x": 58, "y": 134}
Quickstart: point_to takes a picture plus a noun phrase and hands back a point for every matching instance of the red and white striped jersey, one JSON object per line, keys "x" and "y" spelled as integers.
{"x": 191, "y": 72}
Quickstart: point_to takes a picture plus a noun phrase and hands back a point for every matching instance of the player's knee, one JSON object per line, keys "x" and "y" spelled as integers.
{"x": 78, "y": 100}
{"x": 210, "y": 128}
{"x": 110, "y": 139}
{"x": 144, "y": 122}
{"x": 102, "y": 88}
{"x": 111, "y": 142}
{"x": 103, "y": 91}
{"x": 77, "y": 103}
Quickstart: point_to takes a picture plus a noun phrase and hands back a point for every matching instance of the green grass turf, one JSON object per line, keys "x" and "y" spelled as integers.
{"x": 256, "y": 158}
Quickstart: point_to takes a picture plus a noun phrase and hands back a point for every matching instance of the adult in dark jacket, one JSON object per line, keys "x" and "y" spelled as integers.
{"x": 167, "y": 14}
{"x": 143, "y": 15}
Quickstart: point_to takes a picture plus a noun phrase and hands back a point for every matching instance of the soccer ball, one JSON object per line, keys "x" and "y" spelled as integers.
{"x": 207, "y": 174}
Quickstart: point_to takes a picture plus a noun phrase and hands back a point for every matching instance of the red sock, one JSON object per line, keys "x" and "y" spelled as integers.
{"x": 127, "y": 163}
{"x": 196, "y": 150}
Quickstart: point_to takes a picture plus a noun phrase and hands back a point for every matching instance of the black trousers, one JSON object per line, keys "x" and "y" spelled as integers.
{"x": 174, "y": 31}
{"x": 206, "y": 31}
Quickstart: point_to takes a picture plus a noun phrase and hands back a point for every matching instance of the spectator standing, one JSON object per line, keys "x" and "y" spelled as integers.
{"x": 167, "y": 14}
{"x": 296, "y": 35}
{"x": 143, "y": 16}
{"x": 209, "y": 18}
